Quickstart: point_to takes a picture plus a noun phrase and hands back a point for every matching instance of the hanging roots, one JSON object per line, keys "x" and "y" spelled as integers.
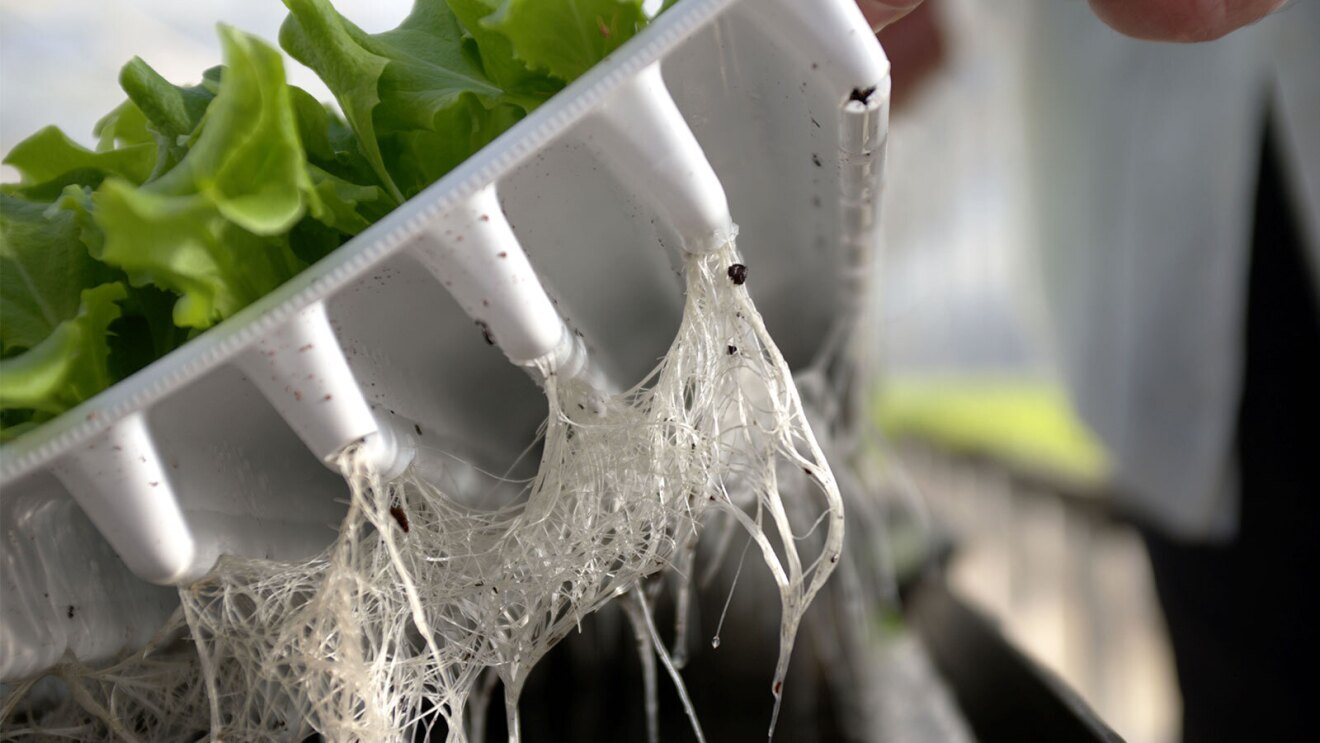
{"x": 420, "y": 598}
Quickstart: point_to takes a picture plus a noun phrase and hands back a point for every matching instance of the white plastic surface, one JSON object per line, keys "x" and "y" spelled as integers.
{"x": 301, "y": 370}
{"x": 762, "y": 90}
{"x": 640, "y": 134}
{"x": 122, "y": 485}
{"x": 472, "y": 251}
{"x": 833, "y": 39}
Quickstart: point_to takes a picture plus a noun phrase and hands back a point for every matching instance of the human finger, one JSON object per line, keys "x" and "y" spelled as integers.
{"x": 1182, "y": 20}
{"x": 881, "y": 13}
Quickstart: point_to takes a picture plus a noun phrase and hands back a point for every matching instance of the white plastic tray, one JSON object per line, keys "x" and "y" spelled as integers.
{"x": 218, "y": 448}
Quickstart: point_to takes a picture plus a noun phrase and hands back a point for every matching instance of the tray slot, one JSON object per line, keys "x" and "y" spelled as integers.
{"x": 120, "y": 481}
{"x": 640, "y": 135}
{"x": 825, "y": 38}
{"x": 301, "y": 369}
{"x": 473, "y": 252}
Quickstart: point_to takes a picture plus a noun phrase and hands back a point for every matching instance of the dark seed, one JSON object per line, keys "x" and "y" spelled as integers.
{"x": 738, "y": 273}
{"x": 815, "y": 160}
{"x": 70, "y": 611}
{"x": 485, "y": 332}
{"x": 400, "y": 516}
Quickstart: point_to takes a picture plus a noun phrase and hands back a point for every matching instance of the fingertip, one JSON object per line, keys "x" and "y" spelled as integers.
{"x": 881, "y": 13}
{"x": 1182, "y": 20}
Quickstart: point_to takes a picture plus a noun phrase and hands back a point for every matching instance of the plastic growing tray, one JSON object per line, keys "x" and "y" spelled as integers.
{"x": 221, "y": 447}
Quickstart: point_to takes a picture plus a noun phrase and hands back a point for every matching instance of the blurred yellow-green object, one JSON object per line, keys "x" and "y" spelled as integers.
{"x": 1026, "y": 423}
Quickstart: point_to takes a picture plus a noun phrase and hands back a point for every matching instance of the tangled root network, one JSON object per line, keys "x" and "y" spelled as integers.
{"x": 402, "y": 623}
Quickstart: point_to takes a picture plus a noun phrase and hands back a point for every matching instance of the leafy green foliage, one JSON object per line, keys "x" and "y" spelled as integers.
{"x": 211, "y": 229}
{"x": 496, "y": 53}
{"x": 69, "y": 365}
{"x": 316, "y": 35}
{"x": 564, "y": 38}
{"x": 49, "y": 157}
{"x": 419, "y": 102}
{"x": 198, "y": 200}
{"x": 43, "y": 270}
{"x": 125, "y": 125}
{"x": 169, "y": 111}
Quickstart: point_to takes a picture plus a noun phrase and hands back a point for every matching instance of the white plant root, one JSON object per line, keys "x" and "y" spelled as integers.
{"x": 396, "y": 625}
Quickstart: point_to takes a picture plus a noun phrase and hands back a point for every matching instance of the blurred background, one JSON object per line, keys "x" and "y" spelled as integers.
{"x": 972, "y": 398}
{"x": 966, "y": 390}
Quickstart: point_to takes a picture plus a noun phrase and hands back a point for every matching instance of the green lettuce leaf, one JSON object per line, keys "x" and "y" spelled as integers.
{"x": 564, "y": 38}
{"x": 328, "y": 141}
{"x": 171, "y": 113}
{"x": 351, "y": 195}
{"x": 185, "y": 245}
{"x": 44, "y": 268}
{"x": 145, "y": 331}
{"x": 49, "y": 161}
{"x": 214, "y": 228}
{"x": 69, "y": 365}
{"x": 125, "y": 125}
{"x": 347, "y": 207}
{"x": 49, "y": 154}
{"x": 76, "y": 201}
{"x": 171, "y": 110}
{"x": 420, "y": 157}
{"x": 316, "y": 35}
{"x": 497, "y": 56}
{"x": 418, "y": 102}
{"x": 247, "y": 160}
